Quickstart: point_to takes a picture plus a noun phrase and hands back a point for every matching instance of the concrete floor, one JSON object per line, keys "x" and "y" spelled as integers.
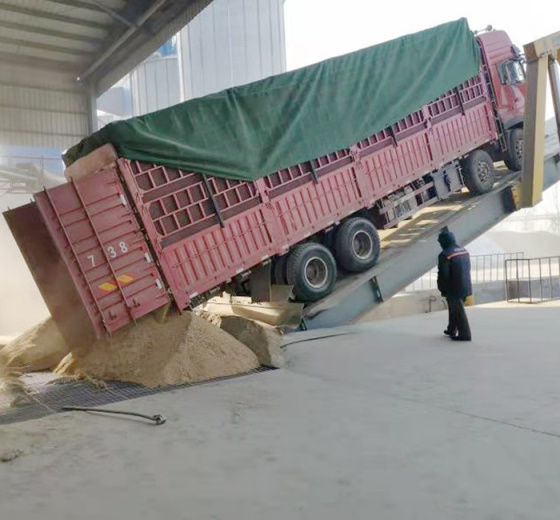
{"x": 392, "y": 421}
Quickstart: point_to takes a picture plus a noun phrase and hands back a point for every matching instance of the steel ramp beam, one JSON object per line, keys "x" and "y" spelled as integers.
{"x": 468, "y": 217}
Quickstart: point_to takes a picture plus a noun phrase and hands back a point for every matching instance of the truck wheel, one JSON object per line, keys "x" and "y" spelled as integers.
{"x": 357, "y": 245}
{"x": 478, "y": 172}
{"x": 514, "y": 156}
{"x": 311, "y": 269}
{"x": 279, "y": 270}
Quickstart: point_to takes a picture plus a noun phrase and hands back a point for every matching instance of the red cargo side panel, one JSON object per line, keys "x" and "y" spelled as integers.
{"x": 308, "y": 208}
{"x": 203, "y": 230}
{"x": 394, "y": 157}
{"x": 462, "y": 120}
{"x": 96, "y": 233}
{"x": 205, "y": 260}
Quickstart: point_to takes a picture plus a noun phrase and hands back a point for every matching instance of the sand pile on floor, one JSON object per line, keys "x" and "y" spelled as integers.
{"x": 264, "y": 340}
{"x": 184, "y": 349}
{"x": 214, "y": 319}
{"x": 13, "y": 390}
{"x": 40, "y": 348}
{"x": 4, "y": 381}
{"x": 4, "y": 340}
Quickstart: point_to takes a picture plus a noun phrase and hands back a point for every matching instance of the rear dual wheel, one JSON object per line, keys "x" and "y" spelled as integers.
{"x": 357, "y": 245}
{"x": 279, "y": 270}
{"x": 311, "y": 268}
{"x": 513, "y": 158}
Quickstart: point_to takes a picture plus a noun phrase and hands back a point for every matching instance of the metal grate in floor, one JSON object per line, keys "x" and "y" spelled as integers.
{"x": 49, "y": 396}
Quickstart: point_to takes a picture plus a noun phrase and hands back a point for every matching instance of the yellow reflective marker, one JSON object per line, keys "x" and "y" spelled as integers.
{"x": 124, "y": 279}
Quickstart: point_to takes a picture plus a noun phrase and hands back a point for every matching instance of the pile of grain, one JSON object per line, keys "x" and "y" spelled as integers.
{"x": 13, "y": 390}
{"x": 183, "y": 349}
{"x": 263, "y": 339}
{"x": 4, "y": 383}
{"x": 212, "y": 318}
{"x": 40, "y": 348}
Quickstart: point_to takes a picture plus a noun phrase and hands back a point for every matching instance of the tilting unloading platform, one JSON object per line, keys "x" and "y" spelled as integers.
{"x": 412, "y": 249}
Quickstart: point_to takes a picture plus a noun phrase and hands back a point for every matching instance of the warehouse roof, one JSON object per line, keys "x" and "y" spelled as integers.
{"x": 97, "y": 41}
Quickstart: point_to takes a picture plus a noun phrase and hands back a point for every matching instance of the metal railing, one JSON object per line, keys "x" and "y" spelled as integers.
{"x": 532, "y": 280}
{"x": 484, "y": 269}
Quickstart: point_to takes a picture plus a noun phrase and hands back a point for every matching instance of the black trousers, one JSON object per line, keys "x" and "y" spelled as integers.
{"x": 458, "y": 322}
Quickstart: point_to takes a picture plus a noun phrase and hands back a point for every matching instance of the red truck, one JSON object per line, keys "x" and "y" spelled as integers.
{"x": 112, "y": 246}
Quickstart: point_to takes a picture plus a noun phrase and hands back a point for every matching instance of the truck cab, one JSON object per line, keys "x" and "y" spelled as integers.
{"x": 506, "y": 74}
{"x": 506, "y": 78}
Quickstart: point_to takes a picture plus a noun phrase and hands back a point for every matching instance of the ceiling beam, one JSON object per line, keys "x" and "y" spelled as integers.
{"x": 43, "y": 46}
{"x": 115, "y": 15}
{"x": 81, "y": 4}
{"x": 123, "y": 38}
{"x": 36, "y": 13}
{"x": 94, "y": 5}
{"x": 38, "y": 63}
{"x": 50, "y": 32}
{"x": 122, "y": 56}
{"x": 65, "y": 89}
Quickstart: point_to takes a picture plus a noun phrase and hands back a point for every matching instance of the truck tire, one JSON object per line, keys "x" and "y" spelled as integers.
{"x": 514, "y": 155}
{"x": 311, "y": 269}
{"x": 279, "y": 270}
{"x": 356, "y": 245}
{"x": 478, "y": 172}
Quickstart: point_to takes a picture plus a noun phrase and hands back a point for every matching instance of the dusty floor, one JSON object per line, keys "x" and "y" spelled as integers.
{"x": 392, "y": 421}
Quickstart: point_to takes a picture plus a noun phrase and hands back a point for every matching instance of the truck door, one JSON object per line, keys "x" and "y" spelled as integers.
{"x": 504, "y": 64}
{"x": 512, "y": 79}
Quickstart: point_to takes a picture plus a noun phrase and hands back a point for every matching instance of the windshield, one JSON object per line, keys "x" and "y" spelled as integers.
{"x": 512, "y": 72}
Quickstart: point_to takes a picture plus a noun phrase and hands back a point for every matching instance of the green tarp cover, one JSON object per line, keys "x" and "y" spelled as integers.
{"x": 251, "y": 131}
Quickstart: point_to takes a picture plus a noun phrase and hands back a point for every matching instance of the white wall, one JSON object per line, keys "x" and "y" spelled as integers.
{"x": 232, "y": 42}
{"x": 155, "y": 85}
{"x": 40, "y": 108}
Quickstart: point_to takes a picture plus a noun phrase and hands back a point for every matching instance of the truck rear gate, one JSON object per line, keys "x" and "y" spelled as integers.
{"x": 96, "y": 235}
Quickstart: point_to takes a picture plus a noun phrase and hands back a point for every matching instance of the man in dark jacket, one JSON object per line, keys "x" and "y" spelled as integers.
{"x": 454, "y": 283}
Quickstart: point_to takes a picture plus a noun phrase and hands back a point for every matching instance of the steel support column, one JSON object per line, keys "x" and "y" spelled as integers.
{"x": 91, "y": 107}
{"x": 541, "y": 56}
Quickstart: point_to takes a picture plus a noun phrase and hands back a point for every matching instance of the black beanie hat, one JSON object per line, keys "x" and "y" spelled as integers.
{"x": 446, "y": 238}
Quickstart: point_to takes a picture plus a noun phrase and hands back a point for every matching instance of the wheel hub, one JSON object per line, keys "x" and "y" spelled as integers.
{"x": 519, "y": 149}
{"x": 483, "y": 171}
{"x": 316, "y": 272}
{"x": 362, "y": 245}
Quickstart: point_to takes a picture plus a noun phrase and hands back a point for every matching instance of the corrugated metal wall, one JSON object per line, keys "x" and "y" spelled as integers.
{"x": 155, "y": 84}
{"x": 40, "y": 109}
{"x": 230, "y": 43}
